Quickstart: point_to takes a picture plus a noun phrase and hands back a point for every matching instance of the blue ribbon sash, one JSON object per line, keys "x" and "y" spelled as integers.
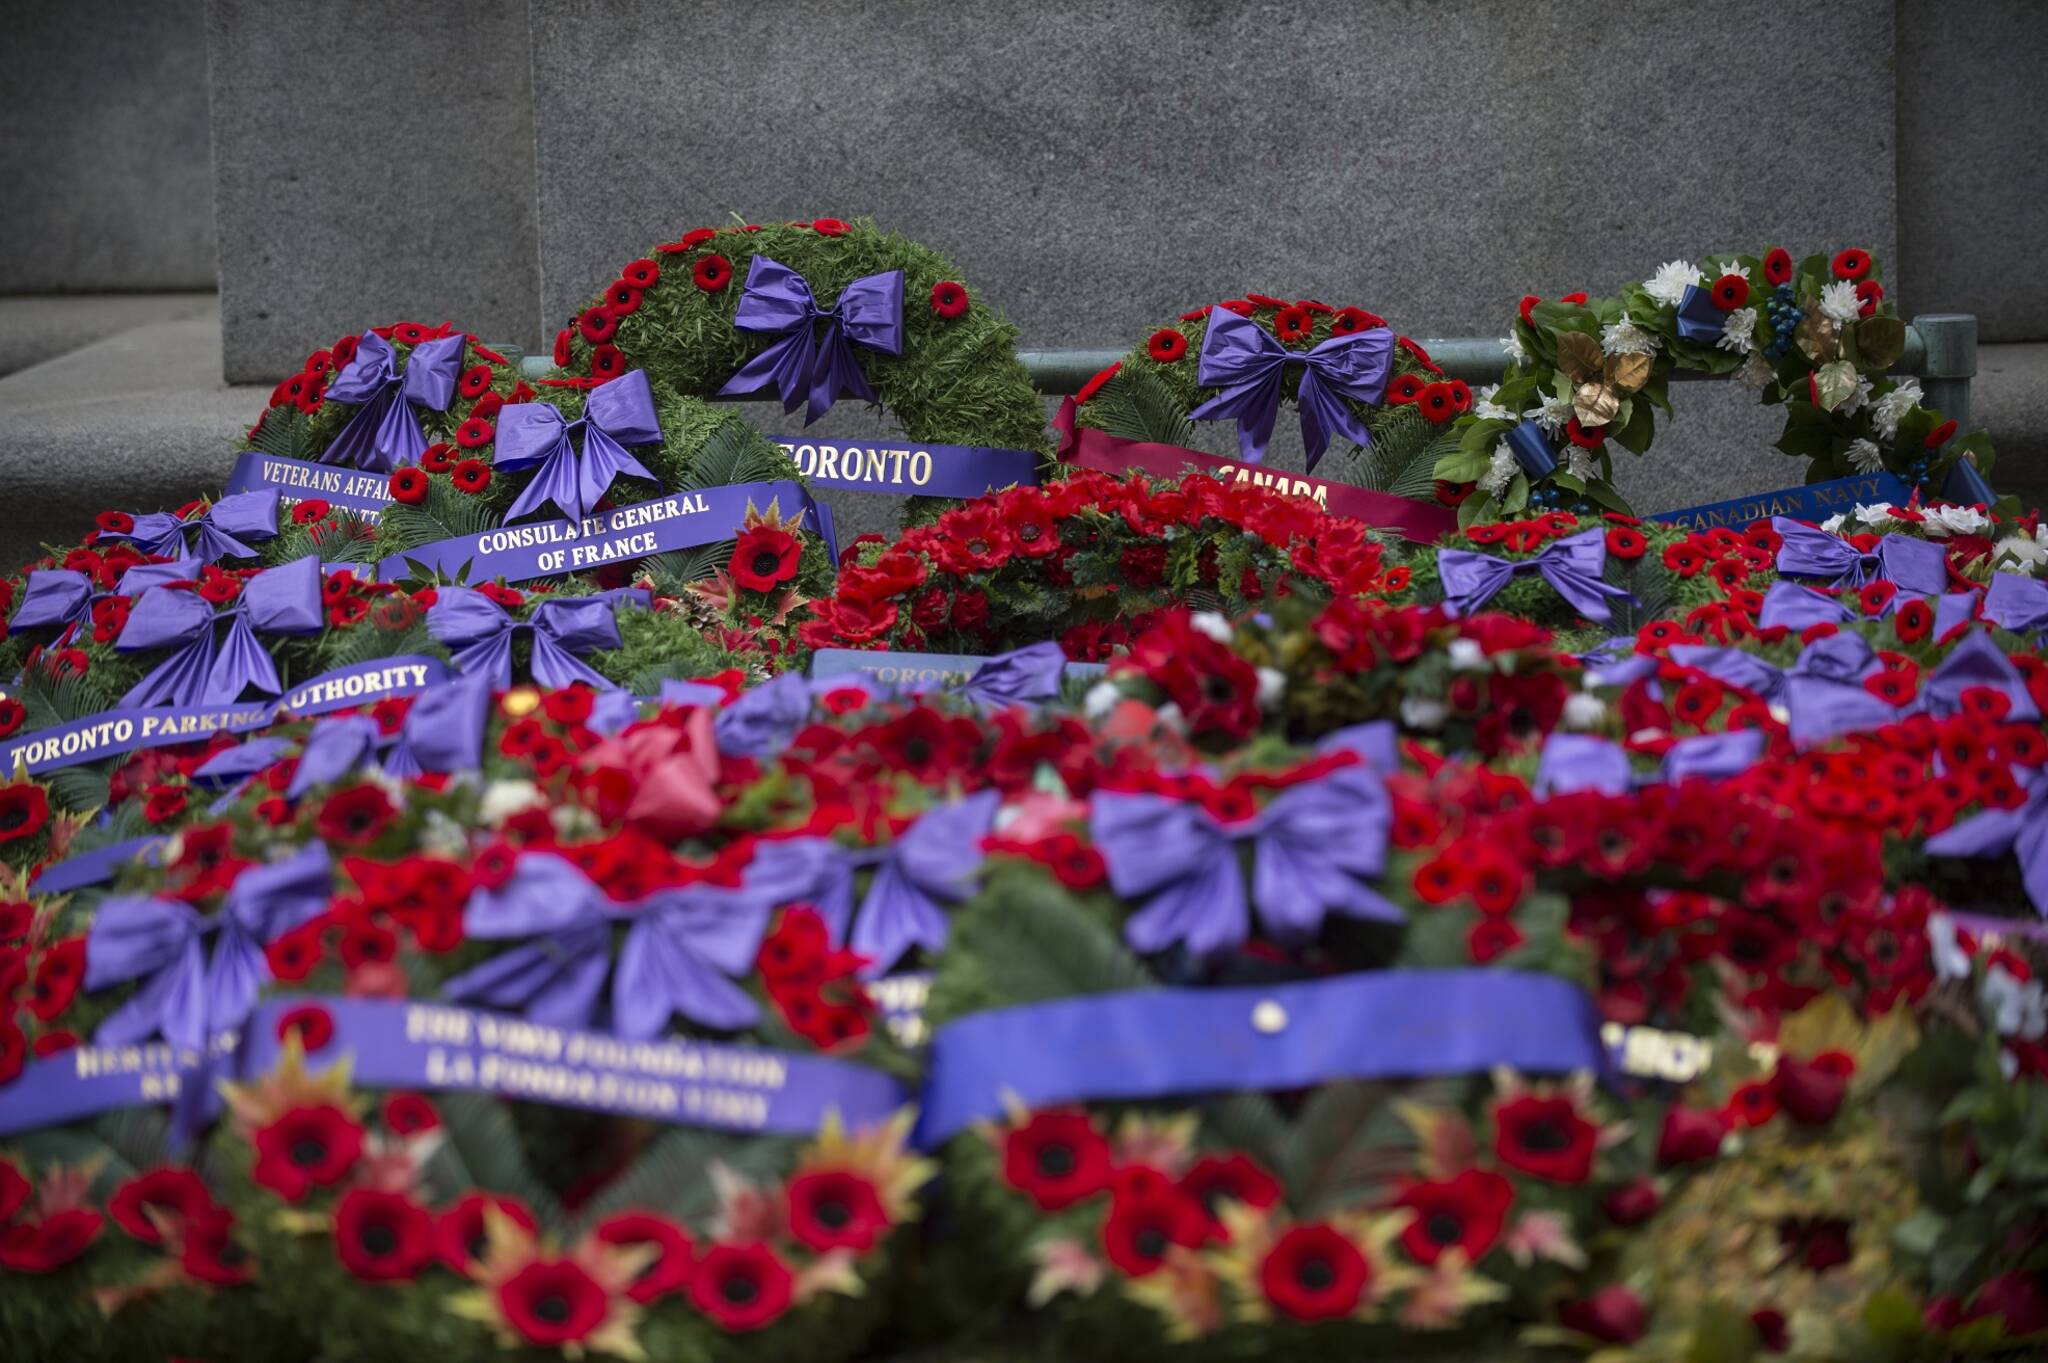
{"x": 366, "y": 494}
{"x": 1813, "y": 502}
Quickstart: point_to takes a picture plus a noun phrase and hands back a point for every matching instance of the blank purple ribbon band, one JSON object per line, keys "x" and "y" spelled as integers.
{"x": 400, "y": 1044}
{"x": 679, "y": 520}
{"x": 96, "y": 867}
{"x": 912, "y": 470}
{"x": 1392, "y": 1024}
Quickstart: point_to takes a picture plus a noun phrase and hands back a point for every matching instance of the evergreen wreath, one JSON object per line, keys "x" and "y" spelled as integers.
{"x": 1588, "y": 374}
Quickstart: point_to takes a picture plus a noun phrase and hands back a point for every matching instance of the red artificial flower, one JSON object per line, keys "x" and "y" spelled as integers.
{"x": 24, "y": 811}
{"x": 1730, "y": 291}
{"x": 409, "y": 486}
{"x": 1633, "y": 1202}
{"x": 1613, "y": 1315}
{"x": 1778, "y": 265}
{"x": 607, "y": 362}
{"x": 1811, "y": 1092}
{"x": 835, "y": 1209}
{"x": 830, "y": 227}
{"x": 475, "y": 433}
{"x": 1751, "y": 1104}
{"x": 1913, "y": 621}
{"x": 1238, "y": 1178}
{"x": 58, "y": 976}
{"x": 471, "y": 476}
{"x": 16, "y": 918}
{"x": 597, "y": 324}
{"x": 676, "y": 1263}
{"x": 459, "y": 1239}
{"x": 14, "y": 1191}
{"x": 1852, "y": 264}
{"x": 1464, "y": 1213}
{"x": 1625, "y": 543}
{"x": 1490, "y": 938}
{"x": 407, "y": 333}
{"x": 309, "y": 511}
{"x": 1293, "y": 324}
{"x": 1528, "y": 306}
{"x": 641, "y": 274}
{"x": 552, "y": 1303}
{"x": 312, "y": 1024}
{"x": 763, "y": 558}
{"x": 949, "y": 300}
{"x": 622, "y": 299}
{"x": 1056, "y": 1159}
{"x": 1940, "y": 435}
{"x": 1143, "y": 1225}
{"x": 1546, "y": 1138}
{"x": 306, "y": 1148}
{"x": 1349, "y": 320}
{"x": 438, "y": 457}
{"x": 1314, "y": 1273}
{"x": 562, "y": 352}
{"x": 1436, "y": 402}
{"x": 1405, "y": 388}
{"x": 13, "y": 1047}
{"x": 13, "y": 714}
{"x": 1583, "y": 438}
{"x": 475, "y": 381}
{"x": 48, "y": 1244}
{"x": 382, "y": 1237}
{"x": 147, "y": 1204}
{"x": 164, "y": 803}
{"x": 1166, "y": 345}
{"x": 1870, "y": 293}
{"x": 742, "y": 1287}
{"x": 355, "y": 816}
{"x": 1094, "y": 384}
{"x": 711, "y": 273}
{"x": 1690, "y": 1135}
{"x": 408, "y": 1114}
{"x": 115, "y": 522}
{"x": 1461, "y": 396}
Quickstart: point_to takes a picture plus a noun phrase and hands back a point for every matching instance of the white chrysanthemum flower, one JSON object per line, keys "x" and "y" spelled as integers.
{"x": 1839, "y": 301}
{"x": 1466, "y": 655}
{"x": 1512, "y": 344}
{"x": 1584, "y": 711}
{"x": 1272, "y": 686}
{"x": 1551, "y": 414}
{"x": 2024, "y": 555}
{"x": 1736, "y": 332}
{"x": 1874, "y": 513}
{"x": 1833, "y": 524}
{"x": 502, "y": 799}
{"x": 1671, "y": 281}
{"x": 1499, "y": 472}
{"x": 1957, "y": 520}
{"x": 1858, "y": 395}
{"x": 1728, "y": 267}
{"x": 1888, "y": 411}
{"x": 1755, "y": 374}
{"x": 1101, "y": 699}
{"x": 1864, "y": 456}
{"x": 1951, "y": 962}
{"x": 1580, "y": 464}
{"x": 1626, "y": 338}
{"x": 1212, "y": 624}
{"x": 1486, "y": 409}
{"x": 1419, "y": 712}
{"x": 2018, "y": 1007}
{"x": 442, "y": 836}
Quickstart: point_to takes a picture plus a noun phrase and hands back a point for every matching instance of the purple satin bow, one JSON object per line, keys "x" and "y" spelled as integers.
{"x": 187, "y": 996}
{"x": 281, "y": 600}
{"x": 224, "y": 528}
{"x": 1245, "y": 360}
{"x": 383, "y": 432}
{"x": 1313, "y": 847}
{"x": 1731, "y": 667}
{"x": 777, "y": 301}
{"x": 1993, "y": 832}
{"x": 1572, "y": 565}
{"x": 1838, "y": 657}
{"x": 1974, "y": 662}
{"x": 1919, "y": 566}
{"x": 684, "y": 947}
{"x": 532, "y": 434}
{"x": 1799, "y": 608}
{"x": 2016, "y": 603}
{"x": 1574, "y": 762}
{"x": 930, "y": 865}
{"x": 62, "y": 597}
{"x": 1022, "y": 676}
{"x": 1713, "y": 755}
{"x": 339, "y": 744}
{"x": 479, "y": 632}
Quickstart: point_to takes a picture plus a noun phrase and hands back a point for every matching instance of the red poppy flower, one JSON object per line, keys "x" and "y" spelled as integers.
{"x": 13, "y": 714}
{"x": 1583, "y": 438}
{"x": 1730, "y": 292}
{"x": 710, "y": 273}
{"x": 1691, "y": 1134}
{"x": 309, "y": 511}
{"x": 1625, "y": 543}
{"x": 306, "y": 1148}
{"x": 313, "y": 1025}
{"x": 1166, "y": 345}
{"x": 115, "y": 522}
{"x": 1632, "y": 1203}
{"x": 408, "y": 1114}
{"x": 355, "y": 816}
{"x": 1314, "y": 1273}
{"x": 1418, "y": 354}
{"x": 1851, "y": 264}
{"x": 24, "y": 812}
{"x": 949, "y": 299}
{"x": 14, "y": 1191}
{"x": 562, "y": 352}
{"x": 1528, "y": 306}
{"x": 409, "y": 486}
{"x": 471, "y": 476}
{"x": 836, "y": 1209}
{"x": 1811, "y": 1092}
{"x": 796, "y": 949}
{"x": 475, "y": 381}
{"x": 1545, "y": 1137}
{"x": 742, "y": 1287}
{"x": 408, "y": 333}
{"x": 58, "y": 976}
{"x": 347, "y": 610}
{"x": 382, "y": 1237}
{"x": 597, "y": 324}
{"x": 1751, "y": 1104}
{"x": 459, "y": 1232}
{"x": 1465, "y": 1213}
{"x": 1940, "y": 435}
{"x": 1239, "y": 1178}
{"x": 47, "y": 1245}
{"x": 1349, "y": 320}
{"x": 367, "y": 942}
{"x": 607, "y": 362}
{"x": 1436, "y": 402}
{"x": 475, "y": 433}
{"x": 1461, "y": 396}
{"x": 1778, "y": 265}
{"x": 675, "y": 1264}
{"x": 1613, "y": 1315}
{"x": 1440, "y": 880}
{"x": 1913, "y": 621}
{"x": 16, "y": 918}
{"x": 641, "y": 274}
{"x": 764, "y": 557}
{"x": 830, "y": 227}
{"x": 1490, "y": 938}
{"x": 1871, "y": 293}
{"x": 145, "y": 1204}
{"x": 1293, "y": 324}
{"x": 1141, "y": 1227}
{"x": 1056, "y": 1159}
{"x": 621, "y": 299}
{"x": 1405, "y": 388}
{"x": 553, "y": 1302}
{"x": 1094, "y": 384}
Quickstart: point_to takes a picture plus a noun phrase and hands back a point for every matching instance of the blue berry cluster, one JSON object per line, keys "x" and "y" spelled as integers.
{"x": 1550, "y": 497}
{"x": 1784, "y": 316}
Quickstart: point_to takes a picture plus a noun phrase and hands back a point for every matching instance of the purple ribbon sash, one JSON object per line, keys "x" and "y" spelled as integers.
{"x": 1391, "y": 1024}
{"x": 223, "y": 528}
{"x": 680, "y": 520}
{"x": 1031, "y": 673}
{"x": 1912, "y": 565}
{"x": 96, "y": 867}
{"x": 295, "y": 480}
{"x": 912, "y": 470}
{"x": 88, "y": 1080}
{"x": 1572, "y": 566}
{"x": 403, "y": 674}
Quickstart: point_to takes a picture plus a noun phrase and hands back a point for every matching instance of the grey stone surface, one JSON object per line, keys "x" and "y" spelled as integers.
{"x": 1098, "y": 166}
{"x": 39, "y": 327}
{"x": 372, "y": 162}
{"x": 2010, "y": 399}
{"x": 104, "y": 178}
{"x": 137, "y": 422}
{"x": 1973, "y": 181}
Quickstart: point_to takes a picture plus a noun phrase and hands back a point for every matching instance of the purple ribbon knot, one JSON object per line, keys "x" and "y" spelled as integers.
{"x": 383, "y": 432}
{"x": 62, "y": 597}
{"x": 479, "y": 632}
{"x": 1022, "y": 676}
{"x": 224, "y": 528}
{"x": 188, "y": 994}
{"x": 1313, "y": 847}
{"x": 1994, "y": 832}
{"x": 532, "y": 434}
{"x": 807, "y": 360}
{"x": 281, "y": 600}
{"x": 1919, "y": 566}
{"x": 1247, "y": 362}
{"x": 1572, "y": 565}
{"x": 2015, "y": 603}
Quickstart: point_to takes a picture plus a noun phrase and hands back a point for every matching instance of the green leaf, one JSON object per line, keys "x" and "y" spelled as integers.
{"x": 1250, "y": 1122}
{"x": 1136, "y": 405}
{"x": 1350, "y": 1146}
{"x": 1035, "y": 941}
{"x": 444, "y": 515}
{"x": 481, "y": 1149}
{"x": 286, "y": 433}
{"x": 671, "y": 1176}
{"x": 1880, "y": 341}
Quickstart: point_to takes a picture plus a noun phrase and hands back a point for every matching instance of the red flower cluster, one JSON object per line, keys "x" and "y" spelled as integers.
{"x": 814, "y": 985}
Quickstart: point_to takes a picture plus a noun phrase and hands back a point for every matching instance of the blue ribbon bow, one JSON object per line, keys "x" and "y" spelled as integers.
{"x": 777, "y": 301}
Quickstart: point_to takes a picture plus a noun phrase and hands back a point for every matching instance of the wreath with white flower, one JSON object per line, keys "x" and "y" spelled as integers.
{"x": 1816, "y": 335}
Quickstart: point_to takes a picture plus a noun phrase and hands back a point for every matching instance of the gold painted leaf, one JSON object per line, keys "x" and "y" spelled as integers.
{"x": 1818, "y": 340}
{"x": 1578, "y": 355}
{"x": 1595, "y": 404}
{"x": 1628, "y": 373}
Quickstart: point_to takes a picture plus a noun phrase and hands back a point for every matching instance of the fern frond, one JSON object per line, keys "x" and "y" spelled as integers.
{"x": 1136, "y": 405}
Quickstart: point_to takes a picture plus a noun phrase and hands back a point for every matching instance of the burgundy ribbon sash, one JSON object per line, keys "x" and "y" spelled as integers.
{"x": 1423, "y": 522}
{"x": 366, "y": 494}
